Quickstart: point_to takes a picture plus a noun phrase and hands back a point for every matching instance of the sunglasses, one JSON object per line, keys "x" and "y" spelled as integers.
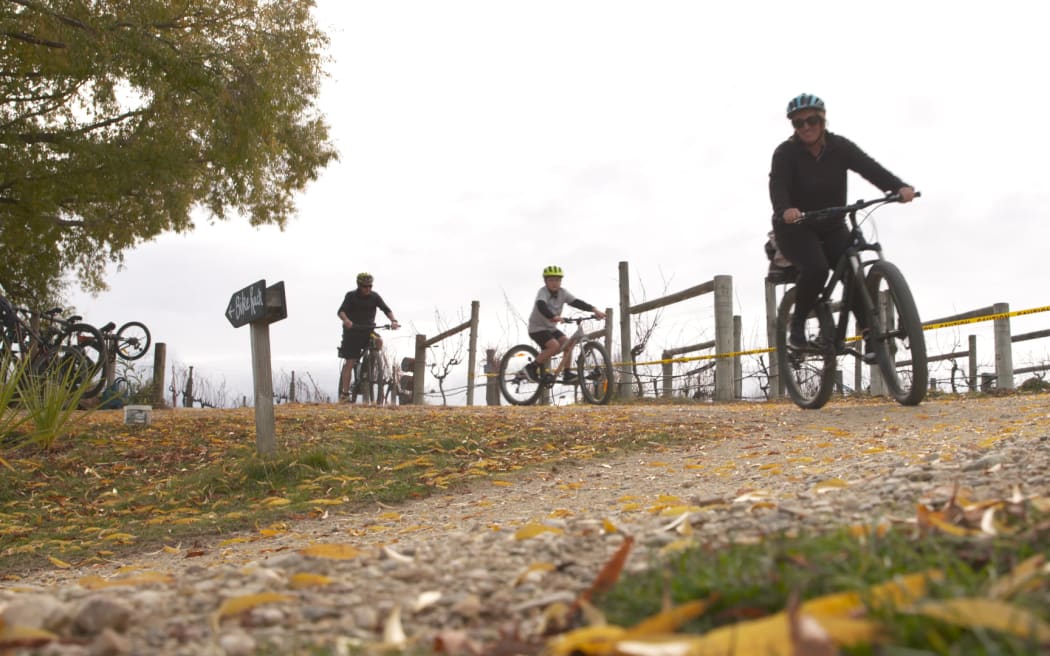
{"x": 811, "y": 121}
{"x": 366, "y": 286}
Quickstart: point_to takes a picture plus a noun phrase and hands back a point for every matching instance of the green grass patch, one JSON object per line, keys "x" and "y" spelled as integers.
{"x": 757, "y": 580}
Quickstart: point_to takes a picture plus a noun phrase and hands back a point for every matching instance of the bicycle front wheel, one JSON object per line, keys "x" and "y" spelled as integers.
{"x": 376, "y": 378}
{"x": 368, "y": 377}
{"x": 896, "y": 335}
{"x": 133, "y": 340}
{"x": 514, "y": 381}
{"x": 809, "y": 375}
{"x": 595, "y": 373}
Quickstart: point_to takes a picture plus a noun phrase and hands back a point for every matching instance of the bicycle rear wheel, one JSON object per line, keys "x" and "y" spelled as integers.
{"x": 133, "y": 340}
{"x": 515, "y": 383}
{"x": 809, "y": 375}
{"x": 896, "y": 335}
{"x": 86, "y": 339}
{"x": 595, "y": 373}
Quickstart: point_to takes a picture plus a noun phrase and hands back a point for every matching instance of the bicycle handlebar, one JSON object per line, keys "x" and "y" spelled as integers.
{"x": 853, "y": 207}
{"x": 579, "y": 319}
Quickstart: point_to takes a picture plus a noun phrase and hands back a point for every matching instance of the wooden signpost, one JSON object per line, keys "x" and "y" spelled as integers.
{"x": 258, "y": 306}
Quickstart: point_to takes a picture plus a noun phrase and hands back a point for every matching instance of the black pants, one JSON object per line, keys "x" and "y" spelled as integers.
{"x": 814, "y": 248}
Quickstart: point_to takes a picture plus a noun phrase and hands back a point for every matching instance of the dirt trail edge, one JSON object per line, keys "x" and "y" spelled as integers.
{"x": 487, "y": 561}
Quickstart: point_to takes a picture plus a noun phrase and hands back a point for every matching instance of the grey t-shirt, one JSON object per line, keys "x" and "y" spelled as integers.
{"x": 555, "y": 302}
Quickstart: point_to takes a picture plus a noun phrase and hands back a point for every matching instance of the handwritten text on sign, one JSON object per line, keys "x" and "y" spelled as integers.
{"x": 247, "y": 305}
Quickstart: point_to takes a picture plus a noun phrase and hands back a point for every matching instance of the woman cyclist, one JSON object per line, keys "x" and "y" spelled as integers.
{"x": 809, "y": 173}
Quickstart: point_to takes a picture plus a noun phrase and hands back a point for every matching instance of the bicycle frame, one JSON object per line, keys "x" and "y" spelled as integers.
{"x": 368, "y": 353}
{"x": 575, "y": 339}
{"x": 850, "y": 271}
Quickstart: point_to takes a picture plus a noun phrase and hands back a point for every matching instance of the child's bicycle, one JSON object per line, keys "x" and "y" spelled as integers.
{"x": 370, "y": 377}
{"x": 884, "y": 299}
{"x": 592, "y": 370}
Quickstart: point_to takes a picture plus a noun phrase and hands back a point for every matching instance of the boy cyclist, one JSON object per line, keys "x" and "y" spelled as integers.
{"x": 543, "y": 320}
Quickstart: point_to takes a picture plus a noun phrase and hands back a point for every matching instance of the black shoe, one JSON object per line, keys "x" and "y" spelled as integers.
{"x": 869, "y": 351}
{"x": 532, "y": 370}
{"x": 569, "y": 376}
{"x": 797, "y": 341}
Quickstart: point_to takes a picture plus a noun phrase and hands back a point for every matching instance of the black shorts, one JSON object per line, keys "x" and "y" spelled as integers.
{"x": 541, "y": 337}
{"x": 353, "y": 343}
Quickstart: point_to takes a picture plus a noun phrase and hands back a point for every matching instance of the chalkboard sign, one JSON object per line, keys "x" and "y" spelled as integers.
{"x": 247, "y": 305}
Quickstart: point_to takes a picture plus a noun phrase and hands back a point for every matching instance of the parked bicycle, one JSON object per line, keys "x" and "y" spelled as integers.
{"x": 884, "y": 299}
{"x": 370, "y": 377}
{"x": 592, "y": 369}
{"x": 29, "y": 356}
{"x": 72, "y": 332}
{"x": 130, "y": 341}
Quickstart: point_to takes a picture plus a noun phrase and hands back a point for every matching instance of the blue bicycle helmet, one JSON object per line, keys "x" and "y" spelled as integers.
{"x": 804, "y": 101}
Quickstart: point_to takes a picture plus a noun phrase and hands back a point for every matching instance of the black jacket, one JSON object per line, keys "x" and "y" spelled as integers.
{"x": 798, "y": 179}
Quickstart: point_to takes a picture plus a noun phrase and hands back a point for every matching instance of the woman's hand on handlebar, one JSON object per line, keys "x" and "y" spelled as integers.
{"x": 906, "y": 194}
{"x": 598, "y": 314}
{"x": 792, "y": 215}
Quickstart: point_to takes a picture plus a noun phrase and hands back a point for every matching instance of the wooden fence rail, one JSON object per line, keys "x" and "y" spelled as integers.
{"x": 422, "y": 343}
{"x": 722, "y": 287}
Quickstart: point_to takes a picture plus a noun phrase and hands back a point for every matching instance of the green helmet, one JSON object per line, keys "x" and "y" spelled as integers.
{"x": 364, "y": 278}
{"x": 553, "y": 272}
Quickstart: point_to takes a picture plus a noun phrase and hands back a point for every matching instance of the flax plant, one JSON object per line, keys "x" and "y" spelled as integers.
{"x": 50, "y": 397}
{"x": 11, "y": 416}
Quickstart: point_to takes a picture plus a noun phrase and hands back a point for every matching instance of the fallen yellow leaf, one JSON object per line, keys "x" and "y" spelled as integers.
{"x": 331, "y": 551}
{"x": 237, "y": 605}
{"x": 534, "y": 529}
{"x": 308, "y": 580}
{"x": 988, "y": 614}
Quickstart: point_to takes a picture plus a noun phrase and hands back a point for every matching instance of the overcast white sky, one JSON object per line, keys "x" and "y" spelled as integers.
{"x": 481, "y": 141}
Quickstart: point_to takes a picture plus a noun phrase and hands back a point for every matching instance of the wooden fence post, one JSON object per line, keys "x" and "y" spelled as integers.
{"x": 492, "y": 379}
{"x": 723, "y": 337}
{"x": 265, "y": 425}
{"x": 160, "y": 353}
{"x": 776, "y": 384}
{"x": 291, "y": 389}
{"x": 972, "y": 364}
{"x": 623, "y": 374}
{"x": 667, "y": 369}
{"x": 472, "y": 350}
{"x": 738, "y": 365}
{"x": 419, "y": 370}
{"x": 1004, "y": 361}
{"x": 187, "y": 392}
{"x": 608, "y": 337}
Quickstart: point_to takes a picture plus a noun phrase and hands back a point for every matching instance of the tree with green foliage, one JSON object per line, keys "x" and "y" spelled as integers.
{"x": 121, "y": 120}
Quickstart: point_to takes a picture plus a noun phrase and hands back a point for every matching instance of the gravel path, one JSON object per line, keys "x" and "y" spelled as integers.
{"x": 458, "y": 567}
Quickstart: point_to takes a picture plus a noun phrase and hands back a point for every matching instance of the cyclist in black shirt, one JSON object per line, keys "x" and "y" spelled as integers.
{"x": 358, "y": 314}
{"x": 809, "y": 173}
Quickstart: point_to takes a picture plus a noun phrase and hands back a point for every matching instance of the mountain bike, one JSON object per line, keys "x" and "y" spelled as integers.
{"x": 882, "y": 297}
{"x": 130, "y": 341}
{"x": 593, "y": 370}
{"x": 73, "y": 333}
{"x": 30, "y": 357}
{"x": 370, "y": 371}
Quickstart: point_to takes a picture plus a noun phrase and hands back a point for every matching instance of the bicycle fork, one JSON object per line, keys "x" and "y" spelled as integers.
{"x": 855, "y": 290}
